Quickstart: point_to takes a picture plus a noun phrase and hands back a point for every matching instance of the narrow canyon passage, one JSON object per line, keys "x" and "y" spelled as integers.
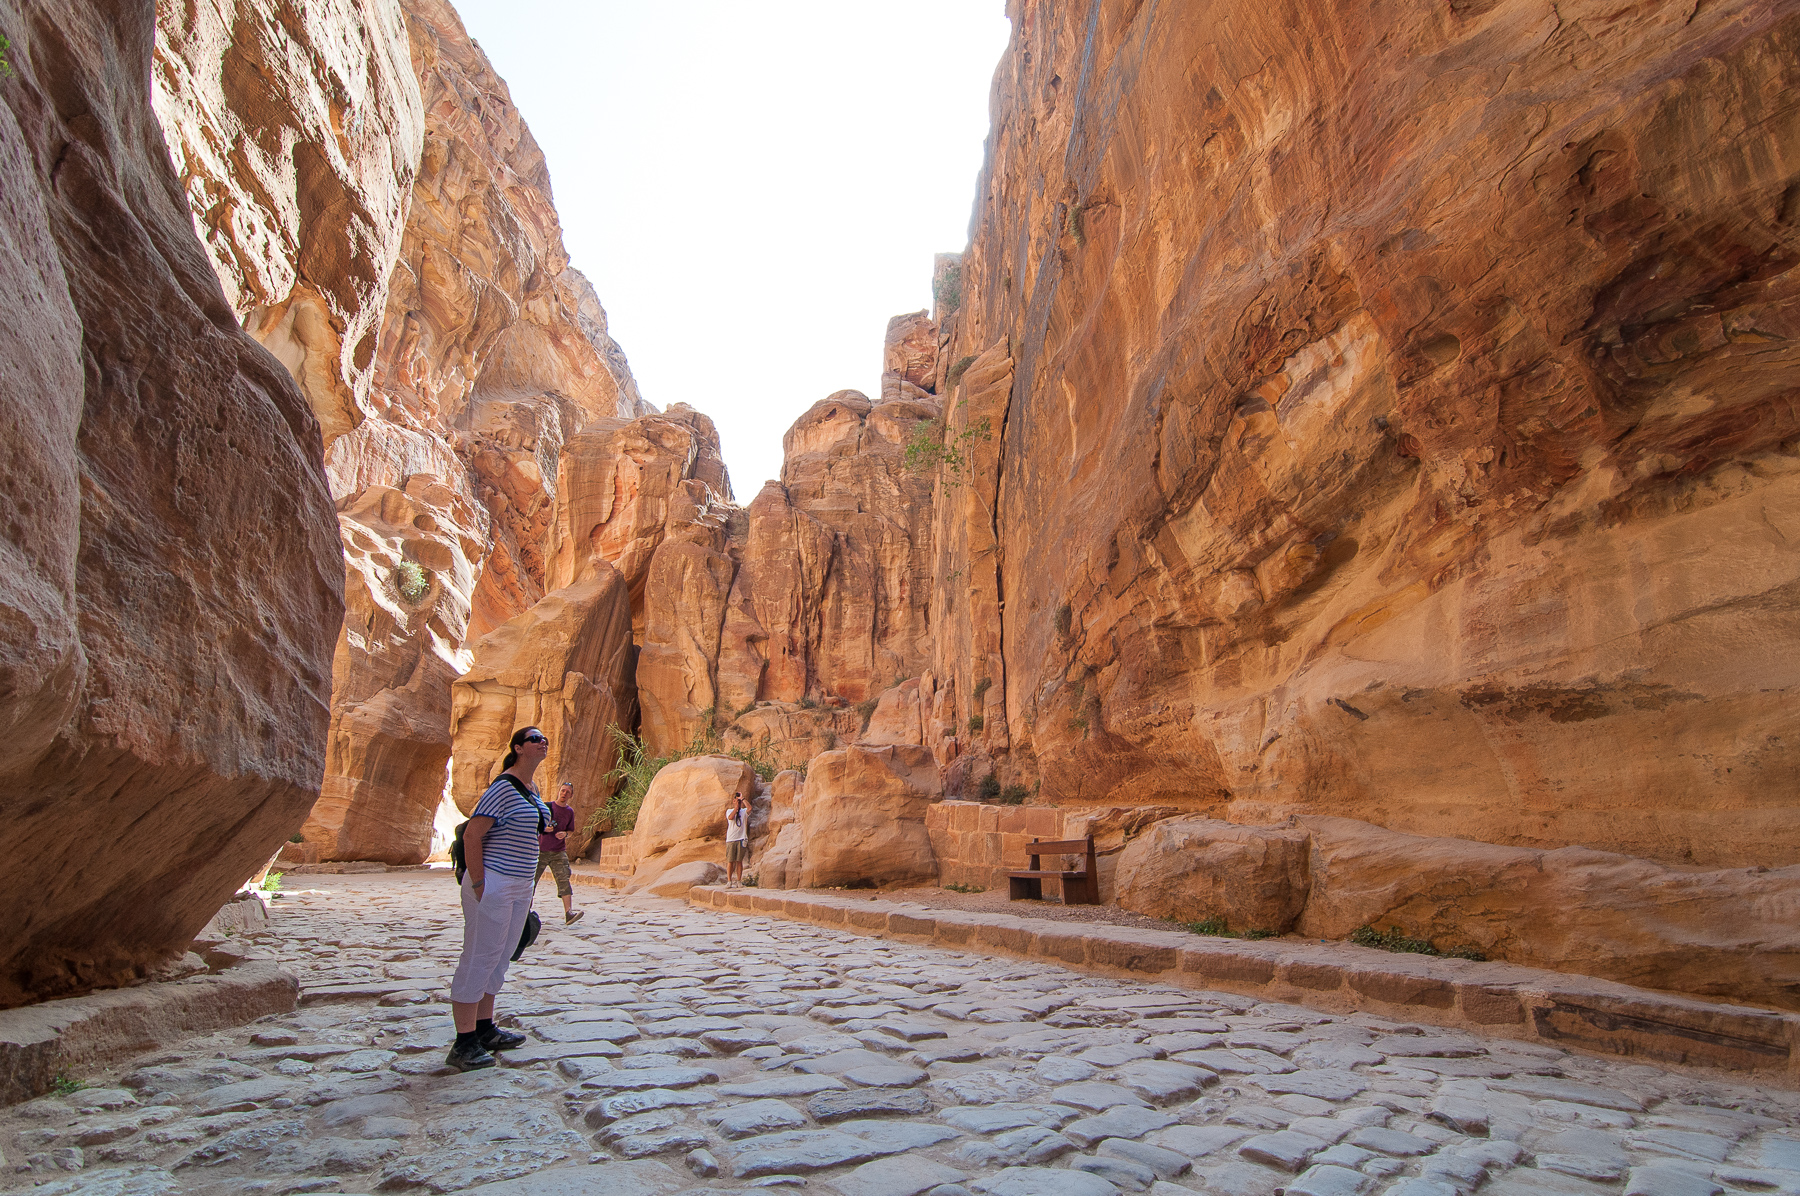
{"x": 673, "y": 1049}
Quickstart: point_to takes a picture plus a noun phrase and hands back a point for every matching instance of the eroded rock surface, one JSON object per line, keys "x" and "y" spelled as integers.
{"x": 172, "y": 580}
{"x": 862, "y": 817}
{"x": 1398, "y": 424}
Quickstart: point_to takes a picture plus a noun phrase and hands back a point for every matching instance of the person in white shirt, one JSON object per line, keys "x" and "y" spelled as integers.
{"x": 737, "y": 841}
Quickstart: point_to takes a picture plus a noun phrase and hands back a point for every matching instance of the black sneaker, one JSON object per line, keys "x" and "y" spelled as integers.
{"x": 500, "y": 1040}
{"x": 472, "y": 1057}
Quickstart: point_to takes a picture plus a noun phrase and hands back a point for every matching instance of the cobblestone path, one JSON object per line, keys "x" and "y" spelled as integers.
{"x": 678, "y": 1050}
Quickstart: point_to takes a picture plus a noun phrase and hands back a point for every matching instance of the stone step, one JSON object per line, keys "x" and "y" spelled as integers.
{"x": 1495, "y": 999}
{"x": 602, "y": 878}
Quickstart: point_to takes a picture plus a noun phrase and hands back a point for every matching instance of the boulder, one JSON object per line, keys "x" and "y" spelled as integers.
{"x": 1192, "y": 869}
{"x": 676, "y": 881}
{"x": 563, "y": 666}
{"x": 863, "y": 817}
{"x": 785, "y": 792}
{"x": 687, "y": 801}
{"x": 899, "y": 717}
{"x": 780, "y": 864}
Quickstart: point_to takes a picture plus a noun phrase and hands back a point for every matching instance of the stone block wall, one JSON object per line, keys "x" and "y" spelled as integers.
{"x": 977, "y": 844}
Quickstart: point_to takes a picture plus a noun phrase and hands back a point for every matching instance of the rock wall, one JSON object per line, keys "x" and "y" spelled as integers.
{"x": 1393, "y": 416}
{"x": 172, "y": 582}
{"x": 382, "y": 220}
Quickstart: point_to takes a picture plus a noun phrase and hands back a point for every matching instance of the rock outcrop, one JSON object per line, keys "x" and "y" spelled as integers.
{"x": 862, "y": 817}
{"x": 381, "y": 219}
{"x": 682, "y": 819}
{"x": 564, "y": 666}
{"x": 1717, "y": 933}
{"x": 172, "y": 582}
{"x": 296, "y": 130}
{"x": 1392, "y": 422}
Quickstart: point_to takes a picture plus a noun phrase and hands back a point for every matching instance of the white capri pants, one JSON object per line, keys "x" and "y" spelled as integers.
{"x": 491, "y": 930}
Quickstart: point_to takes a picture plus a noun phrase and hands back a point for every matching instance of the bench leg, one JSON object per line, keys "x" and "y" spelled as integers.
{"x": 1025, "y": 888}
{"x": 1085, "y": 891}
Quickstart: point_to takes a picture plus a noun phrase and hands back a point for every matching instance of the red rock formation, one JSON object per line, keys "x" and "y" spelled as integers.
{"x": 172, "y": 583}
{"x": 1400, "y": 421}
{"x": 296, "y": 130}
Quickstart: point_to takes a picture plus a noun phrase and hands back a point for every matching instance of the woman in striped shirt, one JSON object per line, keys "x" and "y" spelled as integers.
{"x": 500, "y": 849}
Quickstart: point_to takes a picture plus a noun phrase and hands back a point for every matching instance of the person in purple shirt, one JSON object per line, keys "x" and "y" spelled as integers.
{"x": 553, "y": 850}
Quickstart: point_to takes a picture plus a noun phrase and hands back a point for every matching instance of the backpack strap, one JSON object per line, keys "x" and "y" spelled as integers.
{"x": 528, "y": 795}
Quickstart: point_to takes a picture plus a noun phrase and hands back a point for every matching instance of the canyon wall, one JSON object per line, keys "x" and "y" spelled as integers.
{"x": 172, "y": 582}
{"x": 1392, "y": 415}
{"x": 382, "y": 221}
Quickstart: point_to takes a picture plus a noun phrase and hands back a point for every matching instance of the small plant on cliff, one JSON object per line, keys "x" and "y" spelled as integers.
{"x": 988, "y": 789}
{"x": 410, "y": 579}
{"x": 65, "y": 1084}
{"x": 947, "y": 290}
{"x": 634, "y": 772}
{"x": 982, "y": 686}
{"x": 976, "y": 723}
{"x": 272, "y": 883}
{"x": 809, "y": 703}
{"x": 954, "y": 374}
{"x": 1014, "y": 795}
{"x": 1395, "y": 939}
{"x": 1072, "y": 224}
{"x": 296, "y": 838}
{"x": 749, "y": 882}
{"x": 929, "y": 449}
{"x": 746, "y": 708}
{"x": 1065, "y": 618}
{"x": 6, "y": 70}
{"x": 866, "y": 708}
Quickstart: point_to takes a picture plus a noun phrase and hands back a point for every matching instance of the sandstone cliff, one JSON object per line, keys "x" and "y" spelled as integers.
{"x": 172, "y": 581}
{"x": 382, "y": 221}
{"x": 1392, "y": 417}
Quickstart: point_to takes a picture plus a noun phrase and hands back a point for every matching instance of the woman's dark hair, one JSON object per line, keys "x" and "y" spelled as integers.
{"x": 512, "y": 757}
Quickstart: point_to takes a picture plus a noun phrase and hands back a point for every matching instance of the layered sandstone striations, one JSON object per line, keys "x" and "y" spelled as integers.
{"x": 1393, "y": 416}
{"x": 382, "y": 220}
{"x": 172, "y": 581}
{"x": 296, "y": 130}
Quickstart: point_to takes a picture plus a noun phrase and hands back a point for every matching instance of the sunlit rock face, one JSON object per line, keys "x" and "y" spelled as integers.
{"x": 1399, "y": 420}
{"x": 296, "y": 130}
{"x": 382, "y": 220}
{"x": 172, "y": 583}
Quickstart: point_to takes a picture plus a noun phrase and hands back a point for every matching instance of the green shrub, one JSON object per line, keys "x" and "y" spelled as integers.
{"x": 809, "y": 703}
{"x": 271, "y": 883}
{"x": 927, "y": 449}
{"x": 976, "y": 723}
{"x": 749, "y": 882}
{"x": 956, "y": 888}
{"x": 296, "y": 838}
{"x": 947, "y": 290}
{"x": 6, "y": 70}
{"x": 954, "y": 374}
{"x": 1065, "y": 618}
{"x": 1072, "y": 225}
{"x": 411, "y": 580}
{"x": 746, "y": 708}
{"x": 65, "y": 1084}
{"x": 1215, "y": 926}
{"x": 981, "y": 687}
{"x": 1014, "y": 795}
{"x": 988, "y": 789}
{"x": 1395, "y": 939}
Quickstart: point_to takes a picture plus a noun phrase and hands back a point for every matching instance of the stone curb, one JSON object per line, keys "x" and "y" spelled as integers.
{"x": 1496, "y": 999}
{"x": 40, "y": 1042}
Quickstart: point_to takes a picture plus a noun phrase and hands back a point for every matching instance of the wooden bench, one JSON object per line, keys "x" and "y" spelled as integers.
{"x": 1078, "y": 888}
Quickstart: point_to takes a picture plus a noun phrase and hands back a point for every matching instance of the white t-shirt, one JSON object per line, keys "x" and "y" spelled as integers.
{"x": 737, "y": 824}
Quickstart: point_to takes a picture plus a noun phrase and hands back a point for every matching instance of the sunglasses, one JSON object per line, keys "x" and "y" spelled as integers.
{"x": 534, "y": 739}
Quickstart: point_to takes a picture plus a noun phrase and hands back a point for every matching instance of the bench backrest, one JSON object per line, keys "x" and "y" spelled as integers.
{"x": 1061, "y": 847}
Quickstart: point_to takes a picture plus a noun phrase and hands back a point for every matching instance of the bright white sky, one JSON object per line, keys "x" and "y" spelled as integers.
{"x": 754, "y": 188}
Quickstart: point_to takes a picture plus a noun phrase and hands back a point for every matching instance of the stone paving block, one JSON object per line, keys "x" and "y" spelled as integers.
{"x": 1161, "y": 1081}
{"x": 1284, "y": 1149}
{"x": 898, "y": 1135}
{"x": 886, "y": 1075}
{"x": 1096, "y": 1095}
{"x": 603, "y": 1179}
{"x": 610, "y": 1109}
{"x": 1197, "y": 1141}
{"x": 1024, "y": 1145}
{"x": 988, "y": 1119}
{"x": 1043, "y": 1181}
{"x": 750, "y": 1118}
{"x": 1329, "y": 1181}
{"x": 1326, "y": 1129}
{"x": 867, "y": 1102}
{"x": 1167, "y": 1164}
{"x": 1124, "y": 1121}
{"x": 1354, "y": 1157}
{"x": 1123, "y": 1174}
{"x": 782, "y": 1086}
{"x": 984, "y": 1088}
{"x": 1549, "y": 1088}
{"x": 1664, "y": 1180}
{"x": 1394, "y": 1142}
{"x": 1465, "y": 1115}
{"x": 903, "y": 1175}
{"x": 799, "y": 1152}
{"x": 1323, "y": 1083}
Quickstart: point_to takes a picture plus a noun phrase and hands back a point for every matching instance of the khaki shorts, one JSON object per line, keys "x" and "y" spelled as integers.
{"x": 737, "y": 851}
{"x": 558, "y": 863}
